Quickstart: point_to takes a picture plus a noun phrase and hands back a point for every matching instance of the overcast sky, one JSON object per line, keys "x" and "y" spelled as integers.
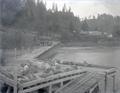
{"x": 85, "y": 8}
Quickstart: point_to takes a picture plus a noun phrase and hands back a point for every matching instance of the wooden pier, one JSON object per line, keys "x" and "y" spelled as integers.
{"x": 36, "y": 75}
{"x": 62, "y": 82}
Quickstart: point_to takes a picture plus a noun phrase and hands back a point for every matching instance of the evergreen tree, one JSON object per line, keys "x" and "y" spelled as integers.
{"x": 11, "y": 8}
{"x": 85, "y": 26}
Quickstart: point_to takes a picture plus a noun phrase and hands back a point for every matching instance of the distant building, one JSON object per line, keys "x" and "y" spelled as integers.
{"x": 91, "y": 33}
{"x": 44, "y": 41}
{"x": 95, "y": 33}
{"x": 108, "y": 35}
{"x": 84, "y": 32}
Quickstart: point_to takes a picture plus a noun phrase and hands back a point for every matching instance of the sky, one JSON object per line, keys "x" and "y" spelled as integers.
{"x": 86, "y": 8}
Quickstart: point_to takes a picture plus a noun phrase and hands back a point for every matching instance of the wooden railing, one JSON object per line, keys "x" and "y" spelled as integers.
{"x": 7, "y": 77}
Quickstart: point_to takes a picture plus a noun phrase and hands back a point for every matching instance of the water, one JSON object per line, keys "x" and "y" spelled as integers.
{"x": 100, "y": 56}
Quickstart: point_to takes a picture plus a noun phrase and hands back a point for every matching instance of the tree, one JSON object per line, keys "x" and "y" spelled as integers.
{"x": 54, "y": 8}
{"x": 85, "y": 26}
{"x": 11, "y": 8}
{"x": 116, "y": 32}
{"x": 69, "y": 10}
{"x": 64, "y": 9}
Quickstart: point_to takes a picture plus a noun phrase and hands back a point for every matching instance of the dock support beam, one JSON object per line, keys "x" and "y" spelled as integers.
{"x": 8, "y": 90}
{"x": 61, "y": 84}
{"x": 50, "y": 89}
{"x": 105, "y": 82}
{"x": 15, "y": 89}
{"x": 114, "y": 85}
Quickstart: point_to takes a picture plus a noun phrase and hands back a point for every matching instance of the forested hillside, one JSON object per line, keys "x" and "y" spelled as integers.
{"x": 29, "y": 16}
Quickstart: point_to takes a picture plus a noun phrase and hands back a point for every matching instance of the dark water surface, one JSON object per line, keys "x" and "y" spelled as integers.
{"x": 93, "y": 55}
{"x": 101, "y": 56}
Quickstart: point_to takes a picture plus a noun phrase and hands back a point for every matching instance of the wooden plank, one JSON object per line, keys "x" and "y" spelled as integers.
{"x": 75, "y": 87}
{"x": 50, "y": 89}
{"x": 5, "y": 73}
{"x": 30, "y": 89}
{"x": 112, "y": 71}
{"x": 7, "y": 80}
{"x": 78, "y": 81}
{"x": 86, "y": 78}
{"x": 71, "y": 82}
{"x": 52, "y": 77}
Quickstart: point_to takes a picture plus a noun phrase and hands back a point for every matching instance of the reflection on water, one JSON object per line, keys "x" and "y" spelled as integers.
{"x": 101, "y": 56}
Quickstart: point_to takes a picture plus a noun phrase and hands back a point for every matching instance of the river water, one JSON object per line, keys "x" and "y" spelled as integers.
{"x": 93, "y": 55}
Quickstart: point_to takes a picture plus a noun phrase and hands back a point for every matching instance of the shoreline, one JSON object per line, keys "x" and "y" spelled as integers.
{"x": 89, "y": 48}
{"x": 91, "y": 44}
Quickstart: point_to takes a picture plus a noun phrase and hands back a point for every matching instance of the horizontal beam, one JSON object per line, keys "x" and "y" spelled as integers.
{"x": 30, "y": 89}
{"x": 7, "y": 80}
{"x": 52, "y": 77}
{"x": 6, "y": 73}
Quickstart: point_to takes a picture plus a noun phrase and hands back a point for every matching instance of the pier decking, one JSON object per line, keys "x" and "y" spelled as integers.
{"x": 28, "y": 82}
{"x": 33, "y": 74}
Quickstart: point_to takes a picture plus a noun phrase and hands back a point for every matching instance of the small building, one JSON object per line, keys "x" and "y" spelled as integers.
{"x": 91, "y": 33}
{"x": 44, "y": 41}
{"x": 95, "y": 33}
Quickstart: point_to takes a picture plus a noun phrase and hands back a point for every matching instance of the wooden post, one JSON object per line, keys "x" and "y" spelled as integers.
{"x": 50, "y": 89}
{"x": 20, "y": 89}
{"x": 15, "y": 86}
{"x": 15, "y": 53}
{"x": 8, "y": 90}
{"x": 105, "y": 82}
{"x": 15, "y": 89}
{"x": 114, "y": 85}
{"x": 61, "y": 84}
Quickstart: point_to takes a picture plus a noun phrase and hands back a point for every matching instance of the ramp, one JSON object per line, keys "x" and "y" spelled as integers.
{"x": 40, "y": 53}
